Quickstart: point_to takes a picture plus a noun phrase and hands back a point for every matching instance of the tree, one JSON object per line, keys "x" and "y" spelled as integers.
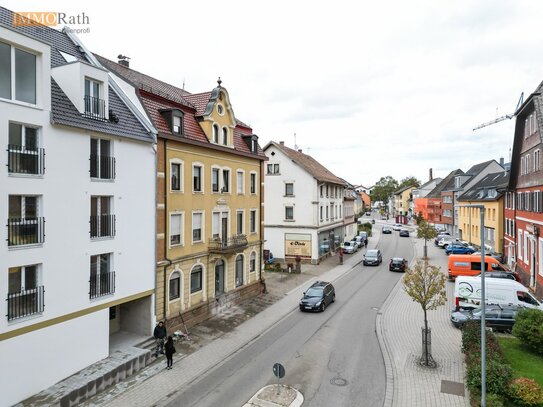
{"x": 426, "y": 232}
{"x": 409, "y": 181}
{"x": 425, "y": 284}
{"x": 383, "y": 189}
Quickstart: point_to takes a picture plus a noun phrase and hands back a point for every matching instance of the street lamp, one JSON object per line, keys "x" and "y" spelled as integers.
{"x": 483, "y": 301}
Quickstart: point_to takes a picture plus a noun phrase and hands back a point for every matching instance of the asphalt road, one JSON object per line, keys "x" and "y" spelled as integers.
{"x": 333, "y": 358}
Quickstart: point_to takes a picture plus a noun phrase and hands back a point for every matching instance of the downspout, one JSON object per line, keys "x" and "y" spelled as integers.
{"x": 166, "y": 216}
{"x": 261, "y": 226}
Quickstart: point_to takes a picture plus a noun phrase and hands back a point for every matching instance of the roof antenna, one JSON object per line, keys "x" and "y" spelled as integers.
{"x": 183, "y": 83}
{"x": 295, "y": 145}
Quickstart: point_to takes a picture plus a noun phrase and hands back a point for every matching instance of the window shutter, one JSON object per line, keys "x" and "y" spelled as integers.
{"x": 175, "y": 225}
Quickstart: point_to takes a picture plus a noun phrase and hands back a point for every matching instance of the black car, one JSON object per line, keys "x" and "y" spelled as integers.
{"x": 397, "y": 264}
{"x": 318, "y": 297}
{"x": 404, "y": 233}
{"x": 372, "y": 257}
{"x": 387, "y": 230}
{"x": 498, "y": 317}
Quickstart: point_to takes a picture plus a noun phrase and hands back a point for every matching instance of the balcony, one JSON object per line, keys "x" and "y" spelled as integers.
{"x": 23, "y": 161}
{"x": 25, "y": 303}
{"x": 229, "y": 245}
{"x": 102, "y": 167}
{"x": 25, "y": 231}
{"x": 101, "y": 284}
{"x": 95, "y": 108}
{"x": 102, "y": 226}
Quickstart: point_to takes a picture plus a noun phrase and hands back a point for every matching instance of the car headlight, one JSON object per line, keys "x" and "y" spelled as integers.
{"x": 301, "y": 303}
{"x": 318, "y": 304}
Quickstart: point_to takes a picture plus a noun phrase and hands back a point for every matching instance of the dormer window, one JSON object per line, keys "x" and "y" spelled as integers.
{"x": 174, "y": 118}
{"x": 252, "y": 142}
{"x": 17, "y": 74}
{"x": 95, "y": 105}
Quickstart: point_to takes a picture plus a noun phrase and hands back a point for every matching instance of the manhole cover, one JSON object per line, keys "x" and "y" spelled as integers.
{"x": 339, "y": 381}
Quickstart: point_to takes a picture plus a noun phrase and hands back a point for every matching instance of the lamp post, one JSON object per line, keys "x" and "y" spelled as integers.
{"x": 483, "y": 301}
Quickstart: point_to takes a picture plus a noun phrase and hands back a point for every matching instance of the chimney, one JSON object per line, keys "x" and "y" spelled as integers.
{"x": 282, "y": 143}
{"x": 123, "y": 60}
{"x": 502, "y": 161}
{"x": 299, "y": 150}
{"x": 431, "y": 175}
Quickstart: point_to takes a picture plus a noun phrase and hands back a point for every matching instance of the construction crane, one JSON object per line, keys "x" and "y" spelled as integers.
{"x": 502, "y": 118}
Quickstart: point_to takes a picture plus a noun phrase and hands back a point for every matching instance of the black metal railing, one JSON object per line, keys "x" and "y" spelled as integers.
{"x": 25, "y": 303}
{"x": 25, "y": 231}
{"x": 23, "y": 161}
{"x": 230, "y": 244}
{"x": 101, "y": 284}
{"x": 102, "y": 166}
{"x": 102, "y": 226}
{"x": 95, "y": 108}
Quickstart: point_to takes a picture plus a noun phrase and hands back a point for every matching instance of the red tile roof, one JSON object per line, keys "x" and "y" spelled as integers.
{"x": 199, "y": 100}
{"x": 312, "y": 166}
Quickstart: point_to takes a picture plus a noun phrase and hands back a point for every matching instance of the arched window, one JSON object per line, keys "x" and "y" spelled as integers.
{"x": 196, "y": 279}
{"x": 252, "y": 262}
{"x": 216, "y": 134}
{"x": 239, "y": 270}
{"x": 225, "y": 136}
{"x": 175, "y": 285}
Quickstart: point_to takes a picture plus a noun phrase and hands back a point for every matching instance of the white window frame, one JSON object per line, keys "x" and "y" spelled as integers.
{"x": 181, "y": 164}
{"x": 537, "y": 156}
{"x": 202, "y": 178}
{"x": 239, "y": 282}
{"x": 219, "y": 175}
{"x": 181, "y": 231}
{"x": 13, "y": 80}
{"x": 202, "y": 226}
{"x": 519, "y": 245}
{"x": 215, "y": 135}
{"x": 252, "y": 262}
{"x": 240, "y": 186}
{"x": 253, "y": 213}
{"x": 526, "y": 256}
{"x": 216, "y": 227}
{"x": 289, "y": 183}
{"x": 192, "y": 270}
{"x": 223, "y": 189}
{"x": 252, "y": 175}
{"x": 225, "y": 136}
{"x": 240, "y": 231}
{"x": 285, "y": 213}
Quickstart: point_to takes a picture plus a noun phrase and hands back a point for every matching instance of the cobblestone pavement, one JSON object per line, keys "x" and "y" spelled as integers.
{"x": 399, "y": 329}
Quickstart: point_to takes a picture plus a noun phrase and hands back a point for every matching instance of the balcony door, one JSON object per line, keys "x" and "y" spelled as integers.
{"x": 224, "y": 228}
{"x": 219, "y": 278}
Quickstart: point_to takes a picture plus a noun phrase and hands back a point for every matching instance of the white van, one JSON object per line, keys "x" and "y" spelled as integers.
{"x": 467, "y": 292}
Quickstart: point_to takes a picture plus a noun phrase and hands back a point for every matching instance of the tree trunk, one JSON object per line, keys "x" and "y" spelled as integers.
{"x": 426, "y": 358}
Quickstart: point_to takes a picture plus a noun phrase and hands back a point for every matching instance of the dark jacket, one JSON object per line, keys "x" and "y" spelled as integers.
{"x": 169, "y": 348}
{"x": 159, "y": 332}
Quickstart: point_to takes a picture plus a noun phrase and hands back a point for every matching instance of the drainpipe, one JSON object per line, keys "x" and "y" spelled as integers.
{"x": 166, "y": 215}
{"x": 261, "y": 226}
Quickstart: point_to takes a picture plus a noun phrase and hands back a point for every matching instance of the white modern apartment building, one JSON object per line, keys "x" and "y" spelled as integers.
{"x": 77, "y": 182}
{"x": 303, "y": 205}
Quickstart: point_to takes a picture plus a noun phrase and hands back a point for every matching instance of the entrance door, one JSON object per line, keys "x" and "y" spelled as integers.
{"x": 219, "y": 278}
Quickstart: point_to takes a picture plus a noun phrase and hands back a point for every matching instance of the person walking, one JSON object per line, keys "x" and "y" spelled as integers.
{"x": 160, "y": 334}
{"x": 170, "y": 350}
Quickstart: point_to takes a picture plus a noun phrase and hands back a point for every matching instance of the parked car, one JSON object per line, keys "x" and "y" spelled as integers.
{"x": 373, "y": 258}
{"x": 271, "y": 259}
{"x": 368, "y": 213}
{"x": 459, "y": 248}
{"x": 447, "y": 240}
{"x": 470, "y": 265}
{"x": 383, "y": 217}
{"x": 440, "y": 236}
{"x": 497, "y": 256}
{"x": 397, "y": 226}
{"x": 359, "y": 240}
{"x": 387, "y": 230}
{"x": 364, "y": 236}
{"x": 404, "y": 233}
{"x": 318, "y": 297}
{"x": 350, "y": 247}
{"x": 397, "y": 264}
{"x": 509, "y": 275}
{"x": 498, "y": 317}
{"x": 373, "y": 221}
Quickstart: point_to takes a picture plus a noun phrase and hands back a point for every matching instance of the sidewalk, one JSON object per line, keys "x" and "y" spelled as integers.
{"x": 399, "y": 331}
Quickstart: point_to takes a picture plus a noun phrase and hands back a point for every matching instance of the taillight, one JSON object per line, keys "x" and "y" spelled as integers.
{"x": 457, "y": 303}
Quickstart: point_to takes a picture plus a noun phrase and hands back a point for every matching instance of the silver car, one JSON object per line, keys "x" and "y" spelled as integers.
{"x": 350, "y": 247}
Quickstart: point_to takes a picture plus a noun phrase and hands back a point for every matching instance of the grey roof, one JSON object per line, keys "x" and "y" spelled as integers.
{"x": 447, "y": 182}
{"x": 489, "y": 188}
{"x": 399, "y": 191}
{"x": 62, "y": 110}
{"x": 65, "y": 113}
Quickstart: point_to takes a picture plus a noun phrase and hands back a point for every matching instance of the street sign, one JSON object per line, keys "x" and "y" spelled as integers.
{"x": 278, "y": 370}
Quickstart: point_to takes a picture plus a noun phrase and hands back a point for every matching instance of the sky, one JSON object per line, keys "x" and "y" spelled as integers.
{"x": 369, "y": 88}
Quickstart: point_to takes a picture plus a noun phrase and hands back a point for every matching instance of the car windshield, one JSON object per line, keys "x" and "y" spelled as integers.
{"x": 397, "y": 261}
{"x": 313, "y": 292}
{"x": 371, "y": 253}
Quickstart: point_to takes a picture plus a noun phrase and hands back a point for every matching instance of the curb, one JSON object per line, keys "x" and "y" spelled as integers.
{"x": 255, "y": 401}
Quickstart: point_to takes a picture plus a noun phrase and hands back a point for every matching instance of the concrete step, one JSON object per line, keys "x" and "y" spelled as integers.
{"x": 93, "y": 379}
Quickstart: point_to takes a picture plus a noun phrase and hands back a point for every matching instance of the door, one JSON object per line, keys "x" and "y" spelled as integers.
{"x": 219, "y": 278}
{"x": 224, "y": 231}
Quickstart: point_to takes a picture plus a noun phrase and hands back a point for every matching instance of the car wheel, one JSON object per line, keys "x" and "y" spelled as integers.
{"x": 323, "y": 306}
{"x": 334, "y": 298}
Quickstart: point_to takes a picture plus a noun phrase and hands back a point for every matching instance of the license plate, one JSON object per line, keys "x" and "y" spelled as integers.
{"x": 307, "y": 307}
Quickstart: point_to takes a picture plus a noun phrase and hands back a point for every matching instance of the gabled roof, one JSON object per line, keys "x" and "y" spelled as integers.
{"x": 446, "y": 183}
{"x": 157, "y": 96}
{"x": 489, "y": 188}
{"x": 399, "y": 191}
{"x": 308, "y": 163}
{"x": 62, "y": 110}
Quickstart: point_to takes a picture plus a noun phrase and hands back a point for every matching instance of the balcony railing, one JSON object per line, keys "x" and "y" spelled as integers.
{"x": 95, "y": 108}
{"x": 102, "y": 166}
{"x": 229, "y": 245}
{"x": 102, "y": 226}
{"x": 23, "y": 161}
{"x": 101, "y": 284}
{"x": 25, "y": 231}
{"x": 25, "y": 303}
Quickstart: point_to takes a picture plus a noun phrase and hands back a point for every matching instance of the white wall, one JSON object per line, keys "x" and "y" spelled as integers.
{"x": 38, "y": 359}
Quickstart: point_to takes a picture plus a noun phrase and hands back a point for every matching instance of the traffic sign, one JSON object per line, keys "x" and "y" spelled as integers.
{"x": 278, "y": 370}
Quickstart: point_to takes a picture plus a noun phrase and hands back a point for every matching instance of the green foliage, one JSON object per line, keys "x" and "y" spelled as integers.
{"x": 525, "y": 392}
{"x": 383, "y": 189}
{"x": 425, "y": 231}
{"x": 365, "y": 227}
{"x": 425, "y": 284}
{"x": 529, "y": 329}
{"x": 409, "y": 181}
